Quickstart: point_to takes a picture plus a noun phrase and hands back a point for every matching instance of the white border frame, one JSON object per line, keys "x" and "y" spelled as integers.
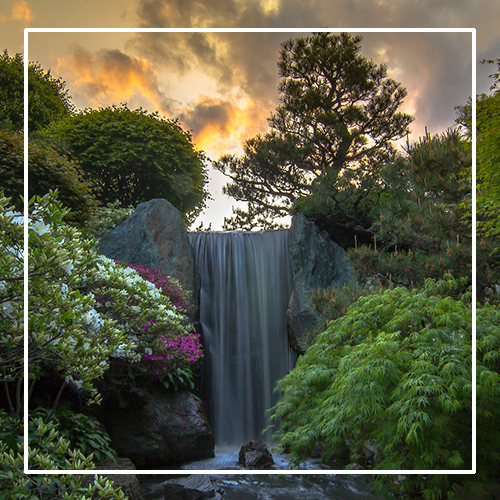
{"x": 27, "y": 31}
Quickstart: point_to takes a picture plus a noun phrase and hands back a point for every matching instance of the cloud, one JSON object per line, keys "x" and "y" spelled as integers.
{"x": 219, "y": 126}
{"x": 110, "y": 76}
{"x": 21, "y": 12}
{"x": 434, "y": 67}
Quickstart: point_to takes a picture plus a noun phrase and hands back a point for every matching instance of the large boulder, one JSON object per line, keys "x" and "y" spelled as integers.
{"x": 155, "y": 237}
{"x": 156, "y": 428}
{"x": 317, "y": 262}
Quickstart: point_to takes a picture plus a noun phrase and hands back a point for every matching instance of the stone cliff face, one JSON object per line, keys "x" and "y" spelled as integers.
{"x": 155, "y": 237}
{"x": 317, "y": 262}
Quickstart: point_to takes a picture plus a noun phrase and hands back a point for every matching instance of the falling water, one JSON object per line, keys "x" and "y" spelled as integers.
{"x": 245, "y": 288}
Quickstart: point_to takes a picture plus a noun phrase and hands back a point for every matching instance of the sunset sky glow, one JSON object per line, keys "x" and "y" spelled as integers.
{"x": 223, "y": 86}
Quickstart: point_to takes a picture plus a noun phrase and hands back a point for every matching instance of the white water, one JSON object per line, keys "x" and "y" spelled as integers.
{"x": 246, "y": 284}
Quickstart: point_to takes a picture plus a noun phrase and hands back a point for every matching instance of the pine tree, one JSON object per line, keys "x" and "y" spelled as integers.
{"x": 423, "y": 226}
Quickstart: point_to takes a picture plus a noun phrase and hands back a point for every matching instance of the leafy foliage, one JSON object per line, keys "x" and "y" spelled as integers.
{"x": 61, "y": 331}
{"x": 48, "y": 99}
{"x": 337, "y": 119}
{"x": 46, "y": 170}
{"x": 394, "y": 373}
{"x": 133, "y": 156}
{"x": 48, "y": 450}
{"x": 488, "y": 157}
{"x": 83, "y": 432}
{"x": 104, "y": 219}
{"x": 149, "y": 309}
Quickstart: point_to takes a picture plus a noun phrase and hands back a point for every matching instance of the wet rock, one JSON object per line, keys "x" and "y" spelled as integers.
{"x": 155, "y": 428}
{"x": 195, "y": 487}
{"x": 155, "y": 237}
{"x": 317, "y": 262}
{"x": 255, "y": 455}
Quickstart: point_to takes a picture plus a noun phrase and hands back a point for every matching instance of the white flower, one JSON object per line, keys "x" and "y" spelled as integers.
{"x": 68, "y": 267}
{"x": 40, "y": 228}
{"x": 64, "y": 289}
{"x": 17, "y": 217}
{"x": 75, "y": 383}
{"x": 147, "y": 350}
{"x": 93, "y": 319}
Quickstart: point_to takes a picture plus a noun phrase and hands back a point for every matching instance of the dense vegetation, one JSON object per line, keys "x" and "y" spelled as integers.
{"x": 48, "y": 98}
{"x": 386, "y": 385}
{"x": 84, "y": 310}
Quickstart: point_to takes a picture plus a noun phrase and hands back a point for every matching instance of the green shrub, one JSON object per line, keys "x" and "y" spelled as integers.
{"x": 106, "y": 218}
{"x": 48, "y": 450}
{"x": 395, "y": 375}
{"x": 47, "y": 170}
{"x": 81, "y": 431}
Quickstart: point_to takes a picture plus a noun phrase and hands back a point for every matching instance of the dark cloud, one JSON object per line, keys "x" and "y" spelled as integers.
{"x": 221, "y": 126}
{"x": 208, "y": 112}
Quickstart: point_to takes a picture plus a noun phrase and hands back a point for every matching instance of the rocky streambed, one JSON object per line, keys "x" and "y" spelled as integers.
{"x": 256, "y": 486}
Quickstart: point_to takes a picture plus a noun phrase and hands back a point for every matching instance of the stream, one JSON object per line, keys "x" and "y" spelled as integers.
{"x": 269, "y": 486}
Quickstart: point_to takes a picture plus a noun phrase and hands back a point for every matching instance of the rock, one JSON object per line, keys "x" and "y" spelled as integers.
{"x": 195, "y": 487}
{"x": 127, "y": 482}
{"x": 155, "y": 428}
{"x": 155, "y": 237}
{"x": 255, "y": 455}
{"x": 317, "y": 262}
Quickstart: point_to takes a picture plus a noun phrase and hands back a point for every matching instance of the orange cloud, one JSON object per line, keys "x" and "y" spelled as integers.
{"x": 220, "y": 126}
{"x": 112, "y": 77}
{"x": 21, "y": 11}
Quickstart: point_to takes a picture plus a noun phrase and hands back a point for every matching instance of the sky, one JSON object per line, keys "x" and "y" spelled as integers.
{"x": 223, "y": 86}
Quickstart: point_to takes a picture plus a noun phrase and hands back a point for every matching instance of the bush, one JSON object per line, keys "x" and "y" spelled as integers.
{"x": 394, "y": 375}
{"x": 132, "y": 156}
{"x": 48, "y": 99}
{"x": 46, "y": 170}
{"x": 106, "y": 218}
{"x": 48, "y": 450}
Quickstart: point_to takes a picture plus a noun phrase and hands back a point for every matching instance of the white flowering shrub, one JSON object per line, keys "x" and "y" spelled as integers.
{"x": 147, "y": 308}
{"x": 84, "y": 309}
{"x": 64, "y": 328}
{"x": 65, "y": 333}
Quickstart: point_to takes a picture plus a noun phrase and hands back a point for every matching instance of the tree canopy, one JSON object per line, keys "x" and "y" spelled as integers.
{"x": 336, "y": 121}
{"x": 422, "y": 224}
{"x": 48, "y": 99}
{"x": 46, "y": 170}
{"x": 134, "y": 156}
{"x": 488, "y": 154}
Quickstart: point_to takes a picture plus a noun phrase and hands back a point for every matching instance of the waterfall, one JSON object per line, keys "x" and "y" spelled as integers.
{"x": 246, "y": 284}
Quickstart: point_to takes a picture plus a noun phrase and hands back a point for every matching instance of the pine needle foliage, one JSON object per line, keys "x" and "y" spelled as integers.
{"x": 395, "y": 374}
{"x": 337, "y": 119}
{"x": 423, "y": 225}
